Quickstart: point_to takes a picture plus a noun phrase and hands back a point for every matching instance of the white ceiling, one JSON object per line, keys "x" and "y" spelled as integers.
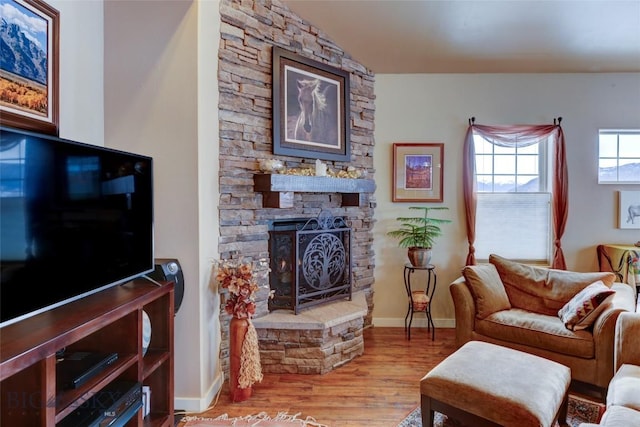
{"x": 482, "y": 36}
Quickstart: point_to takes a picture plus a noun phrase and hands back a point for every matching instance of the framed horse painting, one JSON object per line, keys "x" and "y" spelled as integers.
{"x": 629, "y": 209}
{"x": 417, "y": 172}
{"x": 29, "y": 66}
{"x": 310, "y": 108}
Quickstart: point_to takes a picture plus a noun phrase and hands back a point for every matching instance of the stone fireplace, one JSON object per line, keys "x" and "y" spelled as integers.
{"x": 310, "y": 262}
{"x": 314, "y": 324}
{"x": 320, "y": 337}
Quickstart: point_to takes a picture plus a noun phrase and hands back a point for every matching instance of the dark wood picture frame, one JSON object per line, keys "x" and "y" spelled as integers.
{"x": 41, "y": 114}
{"x": 311, "y": 112}
{"x": 418, "y": 172}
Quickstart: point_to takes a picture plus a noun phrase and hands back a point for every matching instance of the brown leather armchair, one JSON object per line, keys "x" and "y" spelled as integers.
{"x": 588, "y": 352}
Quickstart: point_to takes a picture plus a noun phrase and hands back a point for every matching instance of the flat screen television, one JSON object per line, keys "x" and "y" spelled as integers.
{"x": 75, "y": 219}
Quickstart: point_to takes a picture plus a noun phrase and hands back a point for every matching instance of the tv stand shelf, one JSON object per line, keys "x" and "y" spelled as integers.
{"x": 68, "y": 400}
{"x": 108, "y": 321}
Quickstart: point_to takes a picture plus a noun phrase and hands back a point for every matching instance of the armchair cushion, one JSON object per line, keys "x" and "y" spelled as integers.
{"x": 486, "y": 288}
{"x": 537, "y": 330}
{"x": 543, "y": 290}
{"x": 624, "y": 387}
{"x": 620, "y": 416}
{"x": 585, "y": 307}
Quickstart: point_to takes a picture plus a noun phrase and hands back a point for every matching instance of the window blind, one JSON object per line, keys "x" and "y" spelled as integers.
{"x": 513, "y": 225}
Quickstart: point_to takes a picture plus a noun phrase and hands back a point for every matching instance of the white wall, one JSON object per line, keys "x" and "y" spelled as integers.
{"x": 436, "y": 108}
{"x": 208, "y": 196}
{"x": 81, "y": 71}
{"x": 160, "y": 100}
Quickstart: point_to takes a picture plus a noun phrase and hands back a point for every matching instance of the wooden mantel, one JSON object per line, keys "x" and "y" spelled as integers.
{"x": 278, "y": 189}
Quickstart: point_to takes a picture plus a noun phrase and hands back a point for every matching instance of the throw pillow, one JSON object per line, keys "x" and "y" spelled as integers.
{"x": 487, "y": 289}
{"x": 584, "y": 308}
{"x": 543, "y": 290}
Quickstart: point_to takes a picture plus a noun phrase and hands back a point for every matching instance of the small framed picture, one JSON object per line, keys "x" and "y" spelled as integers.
{"x": 418, "y": 172}
{"x": 29, "y": 66}
{"x": 310, "y": 108}
{"x": 629, "y": 209}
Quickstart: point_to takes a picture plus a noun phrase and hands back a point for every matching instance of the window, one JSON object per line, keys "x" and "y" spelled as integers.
{"x": 513, "y": 216}
{"x": 619, "y": 157}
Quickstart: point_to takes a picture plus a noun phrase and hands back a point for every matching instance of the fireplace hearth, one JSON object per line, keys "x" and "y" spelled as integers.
{"x": 310, "y": 262}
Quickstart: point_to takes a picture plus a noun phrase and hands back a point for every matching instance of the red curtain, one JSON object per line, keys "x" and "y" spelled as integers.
{"x": 518, "y": 136}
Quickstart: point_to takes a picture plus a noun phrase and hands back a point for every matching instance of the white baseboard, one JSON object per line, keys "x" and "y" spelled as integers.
{"x": 198, "y": 405}
{"x": 394, "y": 322}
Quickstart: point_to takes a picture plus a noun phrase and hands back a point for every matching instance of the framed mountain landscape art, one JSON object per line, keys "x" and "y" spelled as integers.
{"x": 29, "y": 65}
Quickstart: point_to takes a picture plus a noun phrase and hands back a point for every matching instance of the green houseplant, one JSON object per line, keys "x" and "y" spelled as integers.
{"x": 418, "y": 234}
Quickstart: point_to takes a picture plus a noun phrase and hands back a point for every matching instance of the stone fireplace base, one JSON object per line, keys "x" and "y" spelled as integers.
{"x": 315, "y": 341}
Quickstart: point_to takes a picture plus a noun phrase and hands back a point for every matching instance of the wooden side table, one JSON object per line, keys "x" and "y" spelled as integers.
{"x": 420, "y": 300}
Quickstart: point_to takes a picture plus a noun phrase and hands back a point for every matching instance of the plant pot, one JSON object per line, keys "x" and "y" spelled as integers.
{"x": 420, "y": 300}
{"x": 419, "y": 257}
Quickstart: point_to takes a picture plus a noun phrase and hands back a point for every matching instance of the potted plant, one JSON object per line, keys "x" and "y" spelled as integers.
{"x": 418, "y": 234}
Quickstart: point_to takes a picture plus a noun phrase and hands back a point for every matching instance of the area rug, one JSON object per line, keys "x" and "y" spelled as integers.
{"x": 282, "y": 419}
{"x": 579, "y": 411}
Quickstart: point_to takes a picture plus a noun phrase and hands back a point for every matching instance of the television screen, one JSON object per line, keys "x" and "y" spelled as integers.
{"x": 74, "y": 219}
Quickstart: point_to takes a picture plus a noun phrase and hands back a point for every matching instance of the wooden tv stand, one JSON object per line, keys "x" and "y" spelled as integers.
{"x": 107, "y": 321}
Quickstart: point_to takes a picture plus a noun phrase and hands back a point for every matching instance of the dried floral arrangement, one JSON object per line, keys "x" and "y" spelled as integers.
{"x": 238, "y": 277}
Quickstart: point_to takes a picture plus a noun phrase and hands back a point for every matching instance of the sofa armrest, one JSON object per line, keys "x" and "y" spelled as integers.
{"x": 627, "y": 340}
{"x": 465, "y": 310}
{"x": 605, "y": 326}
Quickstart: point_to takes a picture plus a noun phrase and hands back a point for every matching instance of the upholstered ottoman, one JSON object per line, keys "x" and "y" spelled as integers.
{"x": 483, "y": 384}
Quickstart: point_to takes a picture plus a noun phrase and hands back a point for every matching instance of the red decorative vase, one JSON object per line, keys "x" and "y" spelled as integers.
{"x": 237, "y": 332}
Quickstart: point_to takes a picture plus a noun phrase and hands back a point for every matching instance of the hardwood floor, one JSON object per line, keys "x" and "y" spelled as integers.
{"x": 378, "y": 389}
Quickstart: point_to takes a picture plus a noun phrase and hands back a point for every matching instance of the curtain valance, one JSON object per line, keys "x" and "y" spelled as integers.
{"x": 520, "y": 136}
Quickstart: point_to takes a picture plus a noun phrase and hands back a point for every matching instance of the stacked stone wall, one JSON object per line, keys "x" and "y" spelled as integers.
{"x": 310, "y": 351}
{"x": 249, "y": 29}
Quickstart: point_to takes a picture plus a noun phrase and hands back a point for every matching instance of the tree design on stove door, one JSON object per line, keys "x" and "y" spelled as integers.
{"x": 324, "y": 261}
